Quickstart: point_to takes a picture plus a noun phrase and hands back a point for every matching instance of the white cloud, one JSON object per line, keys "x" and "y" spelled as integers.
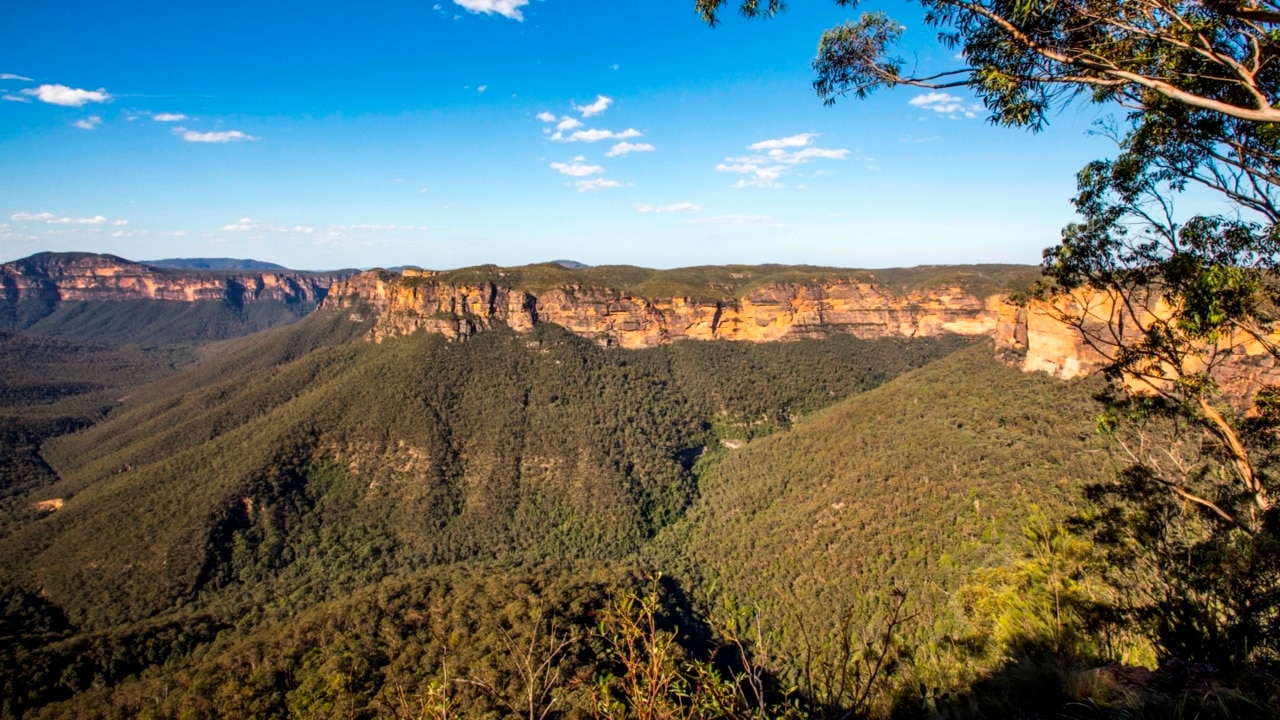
{"x": 52, "y": 219}
{"x": 800, "y": 140}
{"x": 482, "y": 88}
{"x": 596, "y": 135}
{"x": 88, "y": 123}
{"x": 251, "y": 225}
{"x": 601, "y": 104}
{"x": 577, "y": 168}
{"x": 598, "y": 184}
{"x": 168, "y": 117}
{"x": 624, "y": 148}
{"x": 11, "y": 76}
{"x": 569, "y": 124}
{"x": 505, "y": 8}
{"x": 119, "y": 223}
{"x": 545, "y": 116}
{"x": 944, "y": 104}
{"x": 213, "y": 137}
{"x": 672, "y": 208}
{"x": 14, "y": 98}
{"x": 764, "y": 170}
{"x": 67, "y": 96}
{"x": 761, "y": 176}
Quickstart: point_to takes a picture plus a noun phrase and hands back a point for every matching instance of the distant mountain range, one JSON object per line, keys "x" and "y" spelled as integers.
{"x": 213, "y": 264}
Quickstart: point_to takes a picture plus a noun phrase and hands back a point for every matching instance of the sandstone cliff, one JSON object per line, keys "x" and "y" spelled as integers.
{"x": 54, "y": 277}
{"x": 1079, "y": 333}
{"x": 1068, "y": 337}
{"x": 769, "y": 312}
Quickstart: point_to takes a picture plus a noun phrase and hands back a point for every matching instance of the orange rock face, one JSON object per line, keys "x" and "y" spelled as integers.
{"x": 1077, "y": 334}
{"x": 769, "y": 313}
{"x": 1068, "y": 337}
{"x": 61, "y": 277}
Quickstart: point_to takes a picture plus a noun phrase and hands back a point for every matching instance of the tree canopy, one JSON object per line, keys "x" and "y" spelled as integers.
{"x": 1184, "y": 309}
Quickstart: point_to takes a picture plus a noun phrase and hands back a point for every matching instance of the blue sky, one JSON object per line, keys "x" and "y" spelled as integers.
{"x": 446, "y": 133}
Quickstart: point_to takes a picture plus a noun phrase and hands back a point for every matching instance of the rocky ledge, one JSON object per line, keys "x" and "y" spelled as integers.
{"x": 1067, "y": 337}
{"x": 55, "y": 277}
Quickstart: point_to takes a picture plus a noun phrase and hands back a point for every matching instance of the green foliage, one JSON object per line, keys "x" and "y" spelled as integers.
{"x": 1191, "y": 525}
{"x": 300, "y": 524}
{"x": 657, "y": 681}
{"x": 714, "y": 283}
{"x": 1041, "y": 603}
{"x": 399, "y": 648}
{"x": 288, "y": 479}
{"x": 51, "y": 388}
{"x": 921, "y": 480}
{"x": 146, "y": 322}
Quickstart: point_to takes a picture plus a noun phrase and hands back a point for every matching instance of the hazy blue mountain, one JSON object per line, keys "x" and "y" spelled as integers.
{"x": 213, "y": 264}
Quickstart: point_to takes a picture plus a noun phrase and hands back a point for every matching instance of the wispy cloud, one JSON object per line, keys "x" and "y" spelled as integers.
{"x": 226, "y": 136}
{"x": 594, "y": 135}
{"x": 945, "y": 104}
{"x": 568, "y": 123}
{"x": 482, "y": 88}
{"x": 800, "y": 140}
{"x": 577, "y": 168}
{"x": 672, "y": 208}
{"x": 67, "y": 96}
{"x": 626, "y": 148}
{"x": 601, "y": 104}
{"x": 505, "y": 8}
{"x": 598, "y": 184}
{"x": 88, "y": 123}
{"x": 50, "y": 218}
{"x": 764, "y": 170}
{"x": 11, "y": 76}
{"x": 545, "y": 116}
{"x": 168, "y": 117}
{"x": 14, "y": 98}
{"x": 251, "y": 225}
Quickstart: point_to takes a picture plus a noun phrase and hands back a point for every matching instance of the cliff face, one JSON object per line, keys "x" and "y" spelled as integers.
{"x": 1068, "y": 337}
{"x": 53, "y": 277}
{"x": 1077, "y": 334}
{"x": 771, "y": 312}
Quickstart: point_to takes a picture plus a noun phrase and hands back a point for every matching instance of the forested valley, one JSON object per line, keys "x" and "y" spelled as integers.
{"x": 302, "y": 523}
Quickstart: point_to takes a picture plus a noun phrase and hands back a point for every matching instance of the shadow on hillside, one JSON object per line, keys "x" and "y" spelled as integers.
{"x": 1035, "y": 685}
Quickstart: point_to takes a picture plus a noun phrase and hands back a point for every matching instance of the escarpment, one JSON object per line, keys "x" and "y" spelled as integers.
{"x": 1069, "y": 336}
{"x": 773, "y": 311}
{"x": 68, "y": 277}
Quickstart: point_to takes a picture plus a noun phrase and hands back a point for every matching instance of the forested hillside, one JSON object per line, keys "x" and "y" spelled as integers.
{"x": 301, "y": 522}
{"x": 288, "y": 469}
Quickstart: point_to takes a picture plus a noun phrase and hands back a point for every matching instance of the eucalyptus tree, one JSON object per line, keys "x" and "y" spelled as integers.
{"x": 1182, "y": 308}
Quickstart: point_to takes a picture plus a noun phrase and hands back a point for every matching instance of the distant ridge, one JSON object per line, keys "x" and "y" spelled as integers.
{"x": 107, "y": 299}
{"x": 570, "y": 264}
{"x": 212, "y": 264}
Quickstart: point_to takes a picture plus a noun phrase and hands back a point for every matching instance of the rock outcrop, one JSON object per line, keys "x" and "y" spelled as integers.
{"x": 1077, "y": 334}
{"x": 771, "y": 312}
{"x": 1068, "y": 337}
{"x": 55, "y": 277}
